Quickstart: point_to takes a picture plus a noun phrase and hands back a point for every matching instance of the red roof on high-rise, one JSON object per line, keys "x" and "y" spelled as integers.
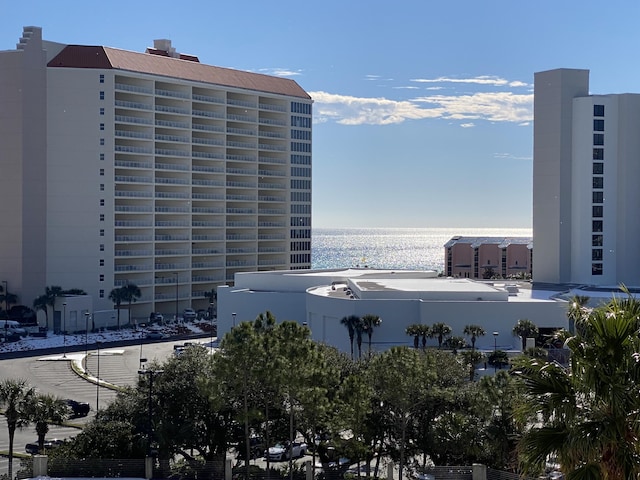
{"x": 82, "y": 56}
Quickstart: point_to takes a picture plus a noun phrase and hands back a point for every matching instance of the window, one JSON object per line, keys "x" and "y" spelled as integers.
{"x": 101, "y": 277}
{"x": 102, "y": 156}
{"x": 598, "y": 168}
{"x": 596, "y": 226}
{"x": 101, "y": 78}
{"x": 102, "y": 262}
{"x": 101, "y": 110}
{"x": 102, "y": 172}
{"x": 101, "y": 293}
{"x": 102, "y": 141}
{"x": 102, "y": 232}
{"x": 598, "y": 125}
{"x": 598, "y": 153}
{"x": 102, "y": 187}
{"x": 596, "y": 211}
{"x": 102, "y": 247}
{"x": 596, "y": 254}
{"x": 598, "y": 197}
{"x": 598, "y": 139}
{"x": 101, "y": 95}
{"x": 102, "y": 217}
{"x": 598, "y": 110}
{"x": 102, "y": 126}
{"x": 102, "y": 202}
{"x": 598, "y": 182}
{"x": 596, "y": 240}
{"x": 596, "y": 269}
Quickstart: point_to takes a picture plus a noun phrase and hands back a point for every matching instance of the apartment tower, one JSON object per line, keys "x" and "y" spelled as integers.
{"x": 148, "y": 168}
{"x": 586, "y": 172}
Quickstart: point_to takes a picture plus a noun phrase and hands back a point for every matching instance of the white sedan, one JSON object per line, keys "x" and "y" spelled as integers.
{"x": 280, "y": 451}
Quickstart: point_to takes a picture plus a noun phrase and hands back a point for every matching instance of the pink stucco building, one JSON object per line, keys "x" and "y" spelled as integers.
{"x": 487, "y": 257}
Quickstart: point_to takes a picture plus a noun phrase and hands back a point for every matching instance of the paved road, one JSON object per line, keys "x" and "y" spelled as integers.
{"x": 53, "y": 374}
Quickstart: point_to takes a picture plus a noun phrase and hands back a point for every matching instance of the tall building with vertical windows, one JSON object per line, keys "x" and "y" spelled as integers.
{"x": 149, "y": 168}
{"x": 586, "y": 172}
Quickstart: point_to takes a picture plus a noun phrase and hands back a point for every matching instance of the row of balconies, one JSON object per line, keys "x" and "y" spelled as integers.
{"x": 213, "y": 97}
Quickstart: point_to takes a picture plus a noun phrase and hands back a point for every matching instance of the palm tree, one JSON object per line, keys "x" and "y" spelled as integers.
{"x": 48, "y": 299}
{"x": 425, "y": 332}
{"x": 360, "y": 328}
{"x": 586, "y": 415}
{"x": 440, "y": 330}
{"x": 474, "y": 331}
{"x": 471, "y": 359}
{"x": 46, "y": 409}
{"x": 370, "y": 322}
{"x": 15, "y": 396}
{"x": 40, "y": 303}
{"x": 350, "y": 322}
{"x": 577, "y": 310}
{"x": 130, "y": 293}
{"x": 525, "y": 328}
{"x": 8, "y": 299}
{"x": 117, "y": 297}
{"x": 455, "y": 343}
{"x": 414, "y": 330}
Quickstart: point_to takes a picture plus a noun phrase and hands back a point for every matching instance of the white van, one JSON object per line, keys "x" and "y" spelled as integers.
{"x": 12, "y": 326}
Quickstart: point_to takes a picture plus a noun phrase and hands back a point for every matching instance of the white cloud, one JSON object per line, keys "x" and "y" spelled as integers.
{"x": 350, "y": 110}
{"x": 480, "y": 80}
{"x": 509, "y": 156}
{"x": 467, "y": 125}
{"x": 280, "y": 72}
{"x": 410, "y": 87}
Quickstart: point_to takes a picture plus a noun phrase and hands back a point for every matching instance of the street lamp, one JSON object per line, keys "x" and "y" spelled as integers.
{"x": 150, "y": 373}
{"x": 495, "y": 349}
{"x": 64, "y": 330}
{"x": 142, "y": 359}
{"x": 211, "y": 326}
{"x": 98, "y": 378}
{"x": 233, "y": 315}
{"x": 6, "y": 296}
{"x": 86, "y": 336}
{"x": 176, "y": 274}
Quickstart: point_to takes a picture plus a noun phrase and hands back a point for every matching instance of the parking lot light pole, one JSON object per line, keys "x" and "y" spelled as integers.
{"x": 64, "y": 330}
{"x": 86, "y": 336}
{"x": 176, "y": 274}
{"x": 98, "y": 379}
{"x": 495, "y": 349}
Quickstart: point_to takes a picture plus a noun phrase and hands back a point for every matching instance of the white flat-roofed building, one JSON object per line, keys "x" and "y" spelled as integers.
{"x": 401, "y": 298}
{"x": 148, "y": 168}
{"x": 585, "y": 183}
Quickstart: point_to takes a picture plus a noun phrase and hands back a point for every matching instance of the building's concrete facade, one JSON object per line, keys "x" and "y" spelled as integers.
{"x": 585, "y": 183}
{"x": 147, "y": 168}
{"x": 488, "y": 257}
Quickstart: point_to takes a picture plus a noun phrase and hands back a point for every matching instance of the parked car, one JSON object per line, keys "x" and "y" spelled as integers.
{"x": 189, "y": 314}
{"x": 154, "y": 335}
{"x": 280, "y": 451}
{"x": 78, "y": 409}
{"x": 34, "y": 449}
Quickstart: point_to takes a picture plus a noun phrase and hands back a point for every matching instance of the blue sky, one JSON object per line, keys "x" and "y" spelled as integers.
{"x": 422, "y": 109}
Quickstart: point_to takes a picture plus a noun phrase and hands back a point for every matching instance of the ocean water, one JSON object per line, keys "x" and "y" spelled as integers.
{"x": 392, "y": 248}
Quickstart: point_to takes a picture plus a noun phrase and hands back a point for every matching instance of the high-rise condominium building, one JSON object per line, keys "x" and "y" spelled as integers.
{"x": 586, "y": 172}
{"x": 147, "y": 168}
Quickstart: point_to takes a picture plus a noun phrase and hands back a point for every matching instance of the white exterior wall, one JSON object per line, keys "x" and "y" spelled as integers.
{"x": 73, "y": 176}
{"x": 582, "y": 191}
{"x": 553, "y": 103}
{"x": 627, "y": 194}
{"x": 322, "y": 310}
{"x": 199, "y": 181}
